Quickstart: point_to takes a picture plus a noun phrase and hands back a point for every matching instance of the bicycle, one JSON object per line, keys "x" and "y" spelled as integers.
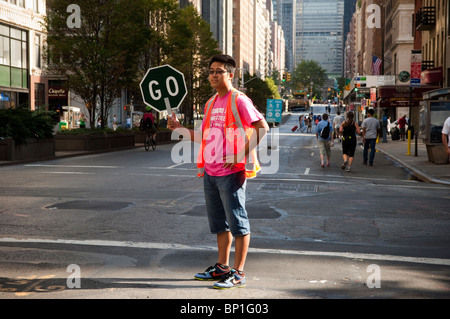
{"x": 149, "y": 141}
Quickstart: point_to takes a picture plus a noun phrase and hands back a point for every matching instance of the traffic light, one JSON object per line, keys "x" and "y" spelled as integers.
{"x": 284, "y": 77}
{"x": 288, "y": 77}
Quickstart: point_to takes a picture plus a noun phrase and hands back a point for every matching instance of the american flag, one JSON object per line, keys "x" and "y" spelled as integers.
{"x": 376, "y": 65}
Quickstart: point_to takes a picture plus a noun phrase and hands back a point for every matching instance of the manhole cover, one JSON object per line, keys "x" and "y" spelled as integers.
{"x": 284, "y": 187}
{"x": 254, "y": 212}
{"x": 97, "y": 205}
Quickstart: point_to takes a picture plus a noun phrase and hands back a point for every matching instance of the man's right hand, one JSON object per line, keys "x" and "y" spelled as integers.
{"x": 173, "y": 122}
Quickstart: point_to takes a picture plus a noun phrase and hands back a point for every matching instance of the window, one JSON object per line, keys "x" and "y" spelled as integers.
{"x": 37, "y": 50}
{"x": 39, "y": 96}
{"x": 13, "y": 57}
{"x": 36, "y": 6}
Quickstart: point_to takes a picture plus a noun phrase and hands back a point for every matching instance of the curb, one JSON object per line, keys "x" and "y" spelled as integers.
{"x": 418, "y": 173}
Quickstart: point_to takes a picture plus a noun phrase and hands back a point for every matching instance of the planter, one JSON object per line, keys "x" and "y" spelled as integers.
{"x": 33, "y": 149}
{"x": 162, "y": 137}
{"x": 93, "y": 142}
{"x": 436, "y": 153}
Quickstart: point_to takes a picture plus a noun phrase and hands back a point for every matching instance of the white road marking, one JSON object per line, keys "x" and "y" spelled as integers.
{"x": 148, "y": 245}
{"x": 70, "y": 173}
{"x": 70, "y": 166}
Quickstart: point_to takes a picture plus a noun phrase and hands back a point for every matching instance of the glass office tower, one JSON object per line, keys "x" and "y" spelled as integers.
{"x": 319, "y": 34}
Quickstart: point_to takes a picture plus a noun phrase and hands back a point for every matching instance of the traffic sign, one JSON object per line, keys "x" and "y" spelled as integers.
{"x": 163, "y": 88}
{"x": 274, "y": 110}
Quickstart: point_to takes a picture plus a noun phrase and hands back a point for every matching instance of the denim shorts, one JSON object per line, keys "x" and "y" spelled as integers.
{"x": 225, "y": 203}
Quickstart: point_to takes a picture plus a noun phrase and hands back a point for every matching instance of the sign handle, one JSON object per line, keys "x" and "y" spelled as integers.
{"x": 168, "y": 107}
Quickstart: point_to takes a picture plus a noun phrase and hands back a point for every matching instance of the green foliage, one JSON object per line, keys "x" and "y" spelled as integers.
{"x": 21, "y": 123}
{"x": 119, "y": 40}
{"x": 101, "y": 57}
{"x": 259, "y": 91}
{"x": 308, "y": 71}
{"x": 94, "y": 131}
{"x": 192, "y": 47}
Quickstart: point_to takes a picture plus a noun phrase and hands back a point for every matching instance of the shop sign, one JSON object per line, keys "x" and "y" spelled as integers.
{"x": 57, "y": 93}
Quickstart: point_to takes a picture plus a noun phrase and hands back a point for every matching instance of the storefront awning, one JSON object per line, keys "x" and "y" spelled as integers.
{"x": 399, "y": 95}
{"x": 433, "y": 75}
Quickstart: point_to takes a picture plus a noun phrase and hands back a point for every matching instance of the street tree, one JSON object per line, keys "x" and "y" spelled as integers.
{"x": 192, "y": 46}
{"x": 259, "y": 90}
{"x": 307, "y": 72}
{"x": 160, "y": 15}
{"x": 99, "y": 56}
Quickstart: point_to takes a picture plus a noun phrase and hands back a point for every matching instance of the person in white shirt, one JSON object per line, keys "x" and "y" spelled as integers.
{"x": 371, "y": 129}
{"x": 337, "y": 122}
{"x": 446, "y": 135}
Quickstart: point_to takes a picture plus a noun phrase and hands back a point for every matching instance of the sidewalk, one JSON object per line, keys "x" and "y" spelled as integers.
{"x": 419, "y": 165}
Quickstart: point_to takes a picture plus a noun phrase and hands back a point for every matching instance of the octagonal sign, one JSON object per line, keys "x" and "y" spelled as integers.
{"x": 163, "y": 88}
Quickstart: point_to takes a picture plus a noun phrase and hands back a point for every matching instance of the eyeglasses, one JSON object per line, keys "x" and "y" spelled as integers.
{"x": 218, "y": 72}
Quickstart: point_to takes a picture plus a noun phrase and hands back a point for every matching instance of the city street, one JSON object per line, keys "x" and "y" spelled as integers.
{"x": 132, "y": 224}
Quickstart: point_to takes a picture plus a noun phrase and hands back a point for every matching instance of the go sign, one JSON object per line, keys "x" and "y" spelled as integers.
{"x": 163, "y": 88}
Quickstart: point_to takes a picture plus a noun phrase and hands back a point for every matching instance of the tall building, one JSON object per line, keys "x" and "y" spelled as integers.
{"x": 243, "y": 36}
{"x": 285, "y": 16}
{"x": 262, "y": 37}
{"x": 218, "y": 13}
{"x": 432, "y": 28}
{"x": 22, "y": 81}
{"x": 319, "y": 34}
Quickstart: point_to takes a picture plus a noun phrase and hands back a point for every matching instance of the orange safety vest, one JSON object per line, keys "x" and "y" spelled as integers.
{"x": 233, "y": 133}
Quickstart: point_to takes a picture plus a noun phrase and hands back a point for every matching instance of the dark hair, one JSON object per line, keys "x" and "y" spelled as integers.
{"x": 349, "y": 120}
{"x": 325, "y": 116}
{"x": 229, "y": 61}
{"x": 371, "y": 112}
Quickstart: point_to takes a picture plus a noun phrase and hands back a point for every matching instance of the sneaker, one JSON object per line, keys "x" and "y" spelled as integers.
{"x": 344, "y": 165}
{"x": 234, "y": 279}
{"x": 215, "y": 272}
{"x": 349, "y": 168}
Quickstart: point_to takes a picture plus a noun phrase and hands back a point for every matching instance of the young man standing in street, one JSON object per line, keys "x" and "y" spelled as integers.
{"x": 371, "y": 128}
{"x": 231, "y": 129}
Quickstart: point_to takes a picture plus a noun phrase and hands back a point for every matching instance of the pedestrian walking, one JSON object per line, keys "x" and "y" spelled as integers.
{"x": 446, "y": 136}
{"x": 324, "y": 132}
{"x": 402, "y": 127}
{"x": 225, "y": 161}
{"x": 371, "y": 129}
{"x": 349, "y": 129}
{"x": 115, "y": 122}
{"x": 82, "y": 121}
{"x": 337, "y": 122}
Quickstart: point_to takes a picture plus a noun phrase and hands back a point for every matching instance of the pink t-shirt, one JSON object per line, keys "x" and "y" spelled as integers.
{"x": 215, "y": 148}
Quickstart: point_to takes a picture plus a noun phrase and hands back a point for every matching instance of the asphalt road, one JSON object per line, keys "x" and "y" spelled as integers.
{"x": 131, "y": 224}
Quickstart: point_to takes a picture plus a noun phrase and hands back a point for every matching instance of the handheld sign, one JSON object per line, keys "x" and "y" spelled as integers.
{"x": 163, "y": 88}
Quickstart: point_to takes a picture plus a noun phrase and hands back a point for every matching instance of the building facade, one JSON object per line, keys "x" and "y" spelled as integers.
{"x": 432, "y": 26}
{"x": 218, "y": 13}
{"x": 319, "y": 34}
{"x": 285, "y": 16}
{"x": 399, "y": 40}
{"x": 22, "y": 35}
